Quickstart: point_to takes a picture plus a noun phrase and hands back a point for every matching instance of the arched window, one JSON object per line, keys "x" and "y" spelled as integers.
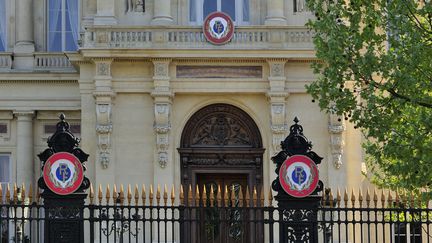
{"x": 238, "y": 10}
{"x": 63, "y": 25}
{"x": 3, "y": 26}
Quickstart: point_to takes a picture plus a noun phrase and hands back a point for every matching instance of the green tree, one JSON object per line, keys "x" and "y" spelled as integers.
{"x": 375, "y": 70}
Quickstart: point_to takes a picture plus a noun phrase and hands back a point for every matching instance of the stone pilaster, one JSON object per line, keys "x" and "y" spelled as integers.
{"x": 336, "y": 129}
{"x": 162, "y": 108}
{"x": 277, "y": 97}
{"x": 104, "y": 96}
{"x": 162, "y": 13}
{"x": 24, "y": 147}
{"x": 24, "y": 45}
{"x": 105, "y": 13}
{"x": 275, "y": 13}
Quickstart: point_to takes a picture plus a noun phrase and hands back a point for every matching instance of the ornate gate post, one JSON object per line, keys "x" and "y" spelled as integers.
{"x": 297, "y": 186}
{"x": 63, "y": 184}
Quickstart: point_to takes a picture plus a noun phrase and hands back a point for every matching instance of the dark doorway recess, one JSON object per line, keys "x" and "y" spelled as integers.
{"x": 221, "y": 139}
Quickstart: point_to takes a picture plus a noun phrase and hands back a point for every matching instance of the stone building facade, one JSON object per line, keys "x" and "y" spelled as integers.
{"x": 153, "y": 101}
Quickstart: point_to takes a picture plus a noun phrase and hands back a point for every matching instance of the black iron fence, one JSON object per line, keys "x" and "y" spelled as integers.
{"x": 226, "y": 215}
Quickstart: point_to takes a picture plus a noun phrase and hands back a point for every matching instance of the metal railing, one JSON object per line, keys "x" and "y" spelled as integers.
{"x": 219, "y": 215}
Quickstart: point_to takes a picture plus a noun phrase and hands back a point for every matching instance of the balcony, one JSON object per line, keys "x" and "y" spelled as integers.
{"x": 245, "y": 38}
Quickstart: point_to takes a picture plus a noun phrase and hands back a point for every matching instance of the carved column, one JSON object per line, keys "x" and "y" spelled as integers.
{"x": 24, "y": 45}
{"x": 275, "y": 13}
{"x": 277, "y": 97}
{"x": 162, "y": 108}
{"x": 162, "y": 13}
{"x": 336, "y": 130}
{"x": 104, "y": 96}
{"x": 24, "y": 147}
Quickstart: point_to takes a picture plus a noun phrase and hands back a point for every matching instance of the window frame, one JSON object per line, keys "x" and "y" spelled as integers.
{"x": 9, "y": 155}
{"x": 6, "y": 27}
{"x": 63, "y": 25}
{"x": 199, "y": 13}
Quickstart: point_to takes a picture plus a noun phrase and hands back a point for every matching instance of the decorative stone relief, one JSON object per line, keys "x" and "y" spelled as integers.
{"x": 103, "y": 69}
{"x": 162, "y": 127}
{"x": 161, "y": 68}
{"x": 104, "y": 130}
{"x": 278, "y": 126}
{"x": 277, "y": 69}
{"x": 135, "y": 6}
{"x": 221, "y": 130}
{"x": 336, "y": 129}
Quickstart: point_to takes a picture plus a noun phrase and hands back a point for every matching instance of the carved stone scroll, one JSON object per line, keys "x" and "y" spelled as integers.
{"x": 336, "y": 130}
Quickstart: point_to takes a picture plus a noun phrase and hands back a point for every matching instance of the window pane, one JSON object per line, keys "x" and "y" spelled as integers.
{"x": 228, "y": 7}
{"x": 192, "y": 10}
{"x": 55, "y": 41}
{"x": 246, "y": 10}
{"x": 3, "y": 25}
{"x": 4, "y": 168}
{"x": 209, "y": 7}
{"x": 70, "y": 43}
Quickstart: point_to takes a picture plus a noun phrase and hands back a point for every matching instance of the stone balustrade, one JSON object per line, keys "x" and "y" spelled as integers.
{"x": 50, "y": 61}
{"x": 245, "y": 37}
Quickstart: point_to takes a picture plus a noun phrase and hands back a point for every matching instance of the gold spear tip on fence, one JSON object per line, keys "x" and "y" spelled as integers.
{"x": 219, "y": 196}
{"x": 143, "y": 194}
{"x": 346, "y": 197}
{"x": 338, "y": 197}
{"x": 383, "y": 199}
{"x": 136, "y": 194}
{"x": 107, "y": 194}
{"x": 114, "y": 194}
{"x": 121, "y": 194}
{"x": 30, "y": 194}
{"x": 212, "y": 196}
{"x": 197, "y": 195}
{"x": 204, "y": 196}
{"x": 270, "y": 198}
{"x": 247, "y": 196}
{"x": 172, "y": 195}
{"x": 23, "y": 193}
{"x": 165, "y": 195}
{"x": 232, "y": 195}
{"x": 91, "y": 194}
{"x": 129, "y": 194}
{"x": 100, "y": 194}
{"x": 190, "y": 198}
{"x": 181, "y": 194}
{"x": 15, "y": 194}
{"x": 8, "y": 194}
{"x": 255, "y": 197}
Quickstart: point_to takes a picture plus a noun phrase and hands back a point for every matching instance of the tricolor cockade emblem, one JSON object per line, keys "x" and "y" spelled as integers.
{"x": 63, "y": 173}
{"x": 298, "y": 176}
{"x": 218, "y": 28}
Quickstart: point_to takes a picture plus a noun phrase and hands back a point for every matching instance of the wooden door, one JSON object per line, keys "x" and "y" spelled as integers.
{"x": 225, "y": 223}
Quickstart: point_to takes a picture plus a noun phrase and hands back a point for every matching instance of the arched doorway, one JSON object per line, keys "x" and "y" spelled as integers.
{"x": 221, "y": 141}
{"x": 221, "y": 145}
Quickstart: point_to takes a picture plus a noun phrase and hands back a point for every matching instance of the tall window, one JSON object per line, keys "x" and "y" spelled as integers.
{"x": 5, "y": 167}
{"x": 238, "y": 10}
{"x": 63, "y": 25}
{"x": 3, "y": 26}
